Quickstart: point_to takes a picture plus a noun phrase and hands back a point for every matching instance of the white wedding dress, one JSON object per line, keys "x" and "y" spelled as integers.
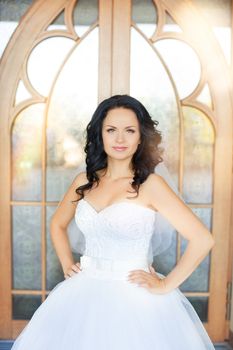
{"x": 98, "y": 308}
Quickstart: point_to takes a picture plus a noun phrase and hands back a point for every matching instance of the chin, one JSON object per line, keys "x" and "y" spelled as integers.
{"x": 119, "y": 155}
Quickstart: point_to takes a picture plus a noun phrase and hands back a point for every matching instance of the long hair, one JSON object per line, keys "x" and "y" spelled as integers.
{"x": 147, "y": 155}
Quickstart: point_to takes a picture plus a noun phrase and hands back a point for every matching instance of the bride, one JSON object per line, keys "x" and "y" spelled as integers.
{"x": 113, "y": 298}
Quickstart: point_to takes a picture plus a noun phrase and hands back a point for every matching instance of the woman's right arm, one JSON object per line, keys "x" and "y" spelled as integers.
{"x": 59, "y": 223}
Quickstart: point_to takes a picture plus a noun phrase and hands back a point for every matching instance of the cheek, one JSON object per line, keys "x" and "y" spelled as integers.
{"x": 135, "y": 140}
{"x": 107, "y": 139}
{"x": 104, "y": 135}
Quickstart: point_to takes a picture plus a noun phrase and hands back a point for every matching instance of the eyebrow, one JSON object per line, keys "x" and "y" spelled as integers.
{"x": 130, "y": 126}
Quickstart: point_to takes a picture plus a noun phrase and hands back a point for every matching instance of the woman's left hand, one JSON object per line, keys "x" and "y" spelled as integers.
{"x": 150, "y": 280}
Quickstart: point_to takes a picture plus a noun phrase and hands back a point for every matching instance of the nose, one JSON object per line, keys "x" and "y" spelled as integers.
{"x": 120, "y": 137}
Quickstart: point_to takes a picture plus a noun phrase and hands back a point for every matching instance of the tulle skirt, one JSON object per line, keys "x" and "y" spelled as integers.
{"x": 98, "y": 309}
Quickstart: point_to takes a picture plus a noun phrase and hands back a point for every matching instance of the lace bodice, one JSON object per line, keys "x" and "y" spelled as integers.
{"x": 119, "y": 231}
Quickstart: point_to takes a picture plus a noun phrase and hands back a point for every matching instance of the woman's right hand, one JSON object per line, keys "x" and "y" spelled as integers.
{"x": 72, "y": 270}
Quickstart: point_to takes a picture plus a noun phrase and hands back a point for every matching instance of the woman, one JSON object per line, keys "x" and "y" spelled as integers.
{"x": 113, "y": 299}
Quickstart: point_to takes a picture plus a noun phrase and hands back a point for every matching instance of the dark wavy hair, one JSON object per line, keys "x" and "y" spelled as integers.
{"x": 148, "y": 153}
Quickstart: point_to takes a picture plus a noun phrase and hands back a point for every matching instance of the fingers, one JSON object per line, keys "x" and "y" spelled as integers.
{"x": 75, "y": 268}
{"x": 152, "y": 270}
{"x": 79, "y": 265}
{"x": 139, "y": 277}
{"x": 70, "y": 273}
{"x": 139, "y": 280}
{"x": 138, "y": 273}
{"x": 144, "y": 278}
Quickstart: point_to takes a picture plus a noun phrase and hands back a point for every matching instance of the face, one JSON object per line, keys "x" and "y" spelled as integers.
{"x": 120, "y": 133}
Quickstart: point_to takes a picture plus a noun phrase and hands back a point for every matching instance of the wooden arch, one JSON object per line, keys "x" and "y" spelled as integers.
{"x": 114, "y": 17}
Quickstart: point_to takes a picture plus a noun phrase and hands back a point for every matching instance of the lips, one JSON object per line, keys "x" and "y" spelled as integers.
{"x": 120, "y": 148}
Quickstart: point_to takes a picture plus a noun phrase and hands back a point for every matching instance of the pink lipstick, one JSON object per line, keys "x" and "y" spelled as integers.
{"x": 119, "y": 148}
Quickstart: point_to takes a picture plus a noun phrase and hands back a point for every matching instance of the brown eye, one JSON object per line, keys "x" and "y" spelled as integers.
{"x": 131, "y": 130}
{"x": 109, "y": 130}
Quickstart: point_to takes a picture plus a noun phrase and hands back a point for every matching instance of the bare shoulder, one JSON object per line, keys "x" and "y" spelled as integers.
{"x": 157, "y": 191}
{"x": 81, "y": 179}
{"x": 156, "y": 181}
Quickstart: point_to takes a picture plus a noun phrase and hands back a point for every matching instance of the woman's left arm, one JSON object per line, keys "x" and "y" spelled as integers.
{"x": 165, "y": 200}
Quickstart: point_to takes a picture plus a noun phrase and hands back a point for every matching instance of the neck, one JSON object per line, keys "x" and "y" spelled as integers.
{"x": 117, "y": 169}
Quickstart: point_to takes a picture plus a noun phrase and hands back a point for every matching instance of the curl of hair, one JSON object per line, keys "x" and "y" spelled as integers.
{"x": 147, "y": 155}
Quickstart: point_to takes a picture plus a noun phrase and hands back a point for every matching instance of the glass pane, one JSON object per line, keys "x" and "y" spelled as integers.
{"x": 26, "y": 154}
{"x": 198, "y": 281}
{"x": 200, "y": 304}
{"x": 54, "y": 273}
{"x": 150, "y": 83}
{"x": 144, "y": 15}
{"x": 171, "y": 25}
{"x": 22, "y": 93}
{"x": 68, "y": 115}
{"x": 205, "y": 96}
{"x": 26, "y": 247}
{"x": 198, "y": 157}
{"x": 183, "y": 64}
{"x": 85, "y": 14}
{"x": 45, "y": 61}
{"x": 24, "y": 306}
{"x": 59, "y": 22}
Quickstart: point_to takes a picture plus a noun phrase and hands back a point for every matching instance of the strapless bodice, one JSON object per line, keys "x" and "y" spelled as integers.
{"x": 122, "y": 230}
